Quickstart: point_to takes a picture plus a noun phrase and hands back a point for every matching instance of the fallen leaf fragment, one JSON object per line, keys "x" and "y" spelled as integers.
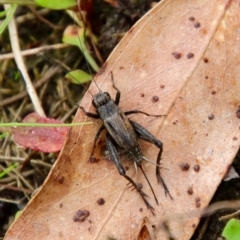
{"x": 44, "y": 139}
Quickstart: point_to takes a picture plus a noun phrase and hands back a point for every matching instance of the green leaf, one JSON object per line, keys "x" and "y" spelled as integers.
{"x": 7, "y": 170}
{"x": 232, "y": 230}
{"x": 18, "y": 214}
{"x": 5, "y": 22}
{"x": 3, "y": 135}
{"x": 78, "y": 77}
{"x": 76, "y": 36}
{"x": 56, "y": 4}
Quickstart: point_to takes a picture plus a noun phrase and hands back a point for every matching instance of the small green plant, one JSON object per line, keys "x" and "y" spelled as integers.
{"x": 232, "y": 229}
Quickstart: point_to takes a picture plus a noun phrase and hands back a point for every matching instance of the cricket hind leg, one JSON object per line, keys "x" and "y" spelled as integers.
{"x": 144, "y": 134}
{"x": 115, "y": 158}
{"x": 138, "y": 111}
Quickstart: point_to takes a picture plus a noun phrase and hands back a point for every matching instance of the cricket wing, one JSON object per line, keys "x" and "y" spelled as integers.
{"x": 121, "y": 131}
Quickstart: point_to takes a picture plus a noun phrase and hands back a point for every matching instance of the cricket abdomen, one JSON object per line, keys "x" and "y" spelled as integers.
{"x": 123, "y": 134}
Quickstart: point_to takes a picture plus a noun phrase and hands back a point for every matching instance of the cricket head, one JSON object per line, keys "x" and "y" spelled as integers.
{"x": 100, "y": 99}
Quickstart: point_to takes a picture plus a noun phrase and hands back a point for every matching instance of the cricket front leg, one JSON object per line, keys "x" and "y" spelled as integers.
{"x": 144, "y": 134}
{"x": 115, "y": 158}
{"x": 96, "y": 138}
{"x": 118, "y": 95}
{"x": 89, "y": 114}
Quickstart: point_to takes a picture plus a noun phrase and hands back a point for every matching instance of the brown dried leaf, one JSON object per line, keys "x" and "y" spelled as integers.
{"x": 186, "y": 53}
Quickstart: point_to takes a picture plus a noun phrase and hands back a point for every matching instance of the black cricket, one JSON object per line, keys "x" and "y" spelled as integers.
{"x": 122, "y": 135}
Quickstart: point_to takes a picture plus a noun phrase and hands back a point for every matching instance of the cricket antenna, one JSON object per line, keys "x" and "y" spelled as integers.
{"x": 82, "y": 49}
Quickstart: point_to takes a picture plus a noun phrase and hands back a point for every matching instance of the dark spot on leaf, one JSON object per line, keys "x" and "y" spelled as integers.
{"x": 175, "y": 122}
{"x": 197, "y": 25}
{"x": 61, "y": 179}
{"x": 142, "y": 94}
{"x": 238, "y": 112}
{"x": 196, "y": 168}
{"x": 190, "y": 191}
{"x": 93, "y": 159}
{"x": 211, "y": 116}
{"x": 198, "y": 202}
{"x": 192, "y": 19}
{"x": 190, "y": 55}
{"x": 177, "y": 55}
{"x": 100, "y": 201}
{"x": 155, "y": 99}
{"x": 205, "y": 60}
{"x": 74, "y": 31}
{"x": 81, "y": 215}
{"x": 184, "y": 166}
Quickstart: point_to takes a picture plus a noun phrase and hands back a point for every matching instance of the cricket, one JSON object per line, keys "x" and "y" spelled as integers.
{"x": 122, "y": 136}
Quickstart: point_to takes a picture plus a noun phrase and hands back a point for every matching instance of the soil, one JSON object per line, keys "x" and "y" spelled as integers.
{"x": 109, "y": 23}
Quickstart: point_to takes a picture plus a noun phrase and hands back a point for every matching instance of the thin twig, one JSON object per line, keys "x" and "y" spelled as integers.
{"x": 229, "y": 216}
{"x": 29, "y": 16}
{"x": 17, "y": 202}
{"x": 37, "y": 15}
{"x": 6, "y": 186}
{"x": 20, "y": 63}
{"x": 34, "y": 50}
{"x": 22, "y": 178}
{"x": 21, "y": 159}
{"x": 38, "y": 84}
